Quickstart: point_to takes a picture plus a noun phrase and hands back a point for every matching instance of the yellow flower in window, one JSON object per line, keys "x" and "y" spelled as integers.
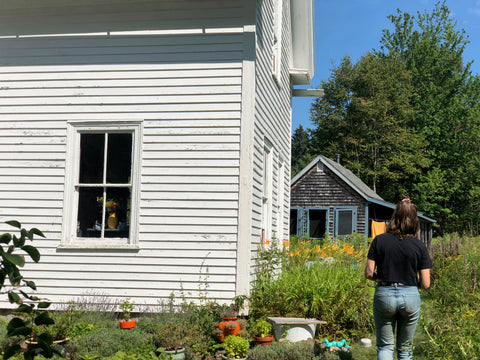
{"x": 111, "y": 205}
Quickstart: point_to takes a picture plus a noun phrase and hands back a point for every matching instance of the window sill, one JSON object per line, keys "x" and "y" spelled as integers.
{"x": 95, "y": 246}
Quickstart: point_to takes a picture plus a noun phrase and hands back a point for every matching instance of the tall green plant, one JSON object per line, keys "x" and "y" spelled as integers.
{"x": 330, "y": 288}
{"x": 451, "y": 327}
{"x": 32, "y": 307}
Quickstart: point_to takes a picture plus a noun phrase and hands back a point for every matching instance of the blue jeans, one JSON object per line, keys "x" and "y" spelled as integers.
{"x": 395, "y": 308}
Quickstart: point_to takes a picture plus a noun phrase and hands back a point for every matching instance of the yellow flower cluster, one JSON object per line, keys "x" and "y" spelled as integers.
{"x": 306, "y": 251}
{"x": 110, "y": 205}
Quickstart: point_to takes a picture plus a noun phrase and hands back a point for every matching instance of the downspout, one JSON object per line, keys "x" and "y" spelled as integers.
{"x": 366, "y": 219}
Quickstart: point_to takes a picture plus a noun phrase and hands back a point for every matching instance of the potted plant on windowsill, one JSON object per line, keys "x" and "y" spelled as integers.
{"x": 262, "y": 330}
{"x": 126, "y": 307}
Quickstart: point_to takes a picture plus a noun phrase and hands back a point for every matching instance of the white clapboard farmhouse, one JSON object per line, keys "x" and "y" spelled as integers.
{"x": 149, "y": 140}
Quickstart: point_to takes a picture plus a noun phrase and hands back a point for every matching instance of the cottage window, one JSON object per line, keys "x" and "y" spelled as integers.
{"x": 345, "y": 221}
{"x": 102, "y": 184}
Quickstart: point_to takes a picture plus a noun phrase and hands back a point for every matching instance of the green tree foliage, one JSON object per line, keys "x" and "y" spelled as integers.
{"x": 446, "y": 99}
{"x": 301, "y": 149}
{"x": 406, "y": 118}
{"x": 365, "y": 116}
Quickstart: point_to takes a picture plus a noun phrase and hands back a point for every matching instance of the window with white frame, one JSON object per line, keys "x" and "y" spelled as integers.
{"x": 101, "y": 199}
{"x": 277, "y": 40}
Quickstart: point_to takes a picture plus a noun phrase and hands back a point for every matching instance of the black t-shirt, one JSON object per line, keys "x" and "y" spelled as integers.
{"x": 397, "y": 259}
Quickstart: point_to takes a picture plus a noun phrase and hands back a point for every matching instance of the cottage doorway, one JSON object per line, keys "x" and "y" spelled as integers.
{"x": 317, "y": 223}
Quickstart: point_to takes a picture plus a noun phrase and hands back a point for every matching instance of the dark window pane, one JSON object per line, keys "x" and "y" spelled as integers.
{"x": 345, "y": 222}
{"x": 91, "y": 158}
{"x": 119, "y": 158}
{"x": 117, "y": 208}
{"x": 317, "y": 219}
{"x": 89, "y": 212}
{"x": 293, "y": 221}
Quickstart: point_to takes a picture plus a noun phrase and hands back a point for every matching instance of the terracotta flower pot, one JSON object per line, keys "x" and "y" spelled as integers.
{"x": 233, "y": 326}
{"x": 127, "y": 324}
{"x": 264, "y": 341}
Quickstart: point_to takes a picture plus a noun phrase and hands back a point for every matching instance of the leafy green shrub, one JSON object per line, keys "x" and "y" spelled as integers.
{"x": 236, "y": 346}
{"x": 3, "y": 330}
{"x": 302, "y": 350}
{"x": 261, "y": 328}
{"x": 64, "y": 323}
{"x": 451, "y": 326}
{"x": 81, "y": 328}
{"x": 107, "y": 342}
{"x": 171, "y": 334}
{"x": 147, "y": 324}
{"x": 330, "y": 287}
{"x": 31, "y": 308}
{"x": 122, "y": 355}
{"x": 100, "y": 319}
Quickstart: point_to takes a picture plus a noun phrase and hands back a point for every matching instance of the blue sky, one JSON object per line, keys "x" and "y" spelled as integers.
{"x": 354, "y": 27}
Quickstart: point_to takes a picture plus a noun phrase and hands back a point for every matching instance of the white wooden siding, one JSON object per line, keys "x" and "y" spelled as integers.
{"x": 184, "y": 86}
{"x": 272, "y": 115}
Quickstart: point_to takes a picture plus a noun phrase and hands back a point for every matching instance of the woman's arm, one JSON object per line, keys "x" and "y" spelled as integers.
{"x": 370, "y": 270}
{"x": 425, "y": 278}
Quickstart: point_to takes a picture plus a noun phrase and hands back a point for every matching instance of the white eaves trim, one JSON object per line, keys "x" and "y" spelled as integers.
{"x": 302, "y": 67}
{"x": 308, "y": 92}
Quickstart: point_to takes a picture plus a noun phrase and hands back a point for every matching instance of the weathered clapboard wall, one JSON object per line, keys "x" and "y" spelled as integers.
{"x": 197, "y": 76}
{"x": 272, "y": 118}
{"x": 320, "y": 187}
{"x": 180, "y": 68}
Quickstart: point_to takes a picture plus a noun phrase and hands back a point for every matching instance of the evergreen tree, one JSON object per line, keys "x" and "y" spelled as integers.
{"x": 301, "y": 150}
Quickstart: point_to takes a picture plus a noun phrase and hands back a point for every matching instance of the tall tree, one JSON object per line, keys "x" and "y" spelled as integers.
{"x": 364, "y": 116}
{"x": 446, "y": 99}
{"x": 301, "y": 149}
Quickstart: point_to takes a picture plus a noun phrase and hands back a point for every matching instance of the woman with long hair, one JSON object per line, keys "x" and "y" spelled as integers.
{"x": 399, "y": 263}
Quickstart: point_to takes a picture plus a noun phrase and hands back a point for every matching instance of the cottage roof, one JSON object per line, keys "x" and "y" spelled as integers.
{"x": 351, "y": 180}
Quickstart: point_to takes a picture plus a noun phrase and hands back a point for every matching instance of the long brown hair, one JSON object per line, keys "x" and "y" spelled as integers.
{"x": 404, "y": 219}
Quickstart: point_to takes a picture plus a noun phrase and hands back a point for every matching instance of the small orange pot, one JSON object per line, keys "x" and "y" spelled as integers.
{"x": 221, "y": 337}
{"x": 264, "y": 341}
{"x": 127, "y": 324}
